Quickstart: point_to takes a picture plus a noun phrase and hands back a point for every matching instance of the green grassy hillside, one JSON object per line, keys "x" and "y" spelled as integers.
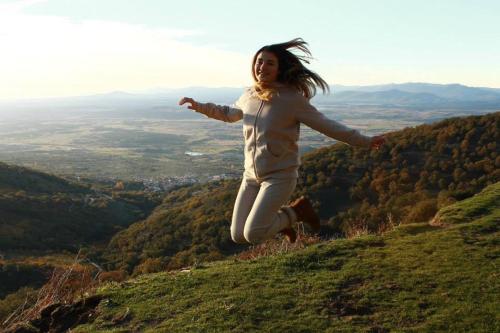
{"x": 485, "y": 205}
{"x": 416, "y": 278}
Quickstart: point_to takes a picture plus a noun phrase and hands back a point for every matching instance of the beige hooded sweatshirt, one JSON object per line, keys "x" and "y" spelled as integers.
{"x": 271, "y": 130}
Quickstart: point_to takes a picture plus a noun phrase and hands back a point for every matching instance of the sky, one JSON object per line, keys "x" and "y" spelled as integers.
{"x": 52, "y": 48}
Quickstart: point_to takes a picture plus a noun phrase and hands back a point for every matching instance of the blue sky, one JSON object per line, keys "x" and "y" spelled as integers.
{"x": 73, "y": 47}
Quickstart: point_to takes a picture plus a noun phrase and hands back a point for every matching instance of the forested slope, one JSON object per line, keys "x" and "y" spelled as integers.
{"x": 39, "y": 211}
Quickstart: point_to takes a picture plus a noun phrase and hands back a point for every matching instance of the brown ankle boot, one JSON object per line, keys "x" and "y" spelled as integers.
{"x": 290, "y": 234}
{"x": 305, "y": 213}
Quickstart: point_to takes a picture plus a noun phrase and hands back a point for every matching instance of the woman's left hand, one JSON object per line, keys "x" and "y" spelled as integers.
{"x": 377, "y": 141}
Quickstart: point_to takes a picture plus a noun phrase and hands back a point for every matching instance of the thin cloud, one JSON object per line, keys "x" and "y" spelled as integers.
{"x": 56, "y": 56}
{"x": 18, "y": 6}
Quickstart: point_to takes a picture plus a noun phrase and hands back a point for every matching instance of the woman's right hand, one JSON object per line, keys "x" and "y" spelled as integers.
{"x": 194, "y": 104}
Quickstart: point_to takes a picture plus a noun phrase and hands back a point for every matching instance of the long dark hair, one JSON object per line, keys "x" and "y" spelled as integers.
{"x": 291, "y": 70}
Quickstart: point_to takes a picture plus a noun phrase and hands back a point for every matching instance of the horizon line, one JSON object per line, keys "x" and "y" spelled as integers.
{"x": 148, "y": 91}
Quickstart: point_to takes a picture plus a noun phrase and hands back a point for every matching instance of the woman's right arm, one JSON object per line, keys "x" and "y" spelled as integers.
{"x": 316, "y": 120}
{"x": 219, "y": 112}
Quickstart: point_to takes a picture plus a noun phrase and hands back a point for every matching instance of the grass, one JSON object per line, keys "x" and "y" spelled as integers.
{"x": 484, "y": 205}
{"x": 417, "y": 278}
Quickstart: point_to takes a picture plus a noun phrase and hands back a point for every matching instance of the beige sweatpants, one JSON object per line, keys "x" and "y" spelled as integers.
{"x": 258, "y": 212}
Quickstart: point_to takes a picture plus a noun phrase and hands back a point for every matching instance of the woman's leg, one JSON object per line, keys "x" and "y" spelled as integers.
{"x": 244, "y": 201}
{"x": 267, "y": 217}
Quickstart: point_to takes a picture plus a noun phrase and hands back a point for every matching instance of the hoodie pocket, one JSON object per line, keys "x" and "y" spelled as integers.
{"x": 275, "y": 149}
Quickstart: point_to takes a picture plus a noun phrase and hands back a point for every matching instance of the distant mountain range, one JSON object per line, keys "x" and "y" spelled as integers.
{"x": 405, "y": 94}
{"x": 453, "y": 91}
{"x": 414, "y": 94}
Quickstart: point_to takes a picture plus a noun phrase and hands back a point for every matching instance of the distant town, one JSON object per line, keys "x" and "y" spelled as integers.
{"x": 164, "y": 184}
{"x": 158, "y": 184}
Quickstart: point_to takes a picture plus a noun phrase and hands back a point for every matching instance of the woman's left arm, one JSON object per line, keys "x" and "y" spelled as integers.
{"x": 310, "y": 116}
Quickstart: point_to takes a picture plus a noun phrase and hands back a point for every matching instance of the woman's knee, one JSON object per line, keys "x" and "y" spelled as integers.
{"x": 238, "y": 237}
{"x": 253, "y": 236}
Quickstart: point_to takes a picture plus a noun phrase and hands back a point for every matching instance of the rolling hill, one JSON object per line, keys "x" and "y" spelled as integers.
{"x": 415, "y": 278}
{"x": 43, "y": 212}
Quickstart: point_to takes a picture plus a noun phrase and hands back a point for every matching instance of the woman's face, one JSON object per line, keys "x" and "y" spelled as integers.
{"x": 266, "y": 67}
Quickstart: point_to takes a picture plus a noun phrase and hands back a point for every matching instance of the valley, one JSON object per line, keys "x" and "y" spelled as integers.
{"x": 148, "y": 146}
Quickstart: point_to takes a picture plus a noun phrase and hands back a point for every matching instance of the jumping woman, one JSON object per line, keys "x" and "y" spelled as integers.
{"x": 272, "y": 111}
